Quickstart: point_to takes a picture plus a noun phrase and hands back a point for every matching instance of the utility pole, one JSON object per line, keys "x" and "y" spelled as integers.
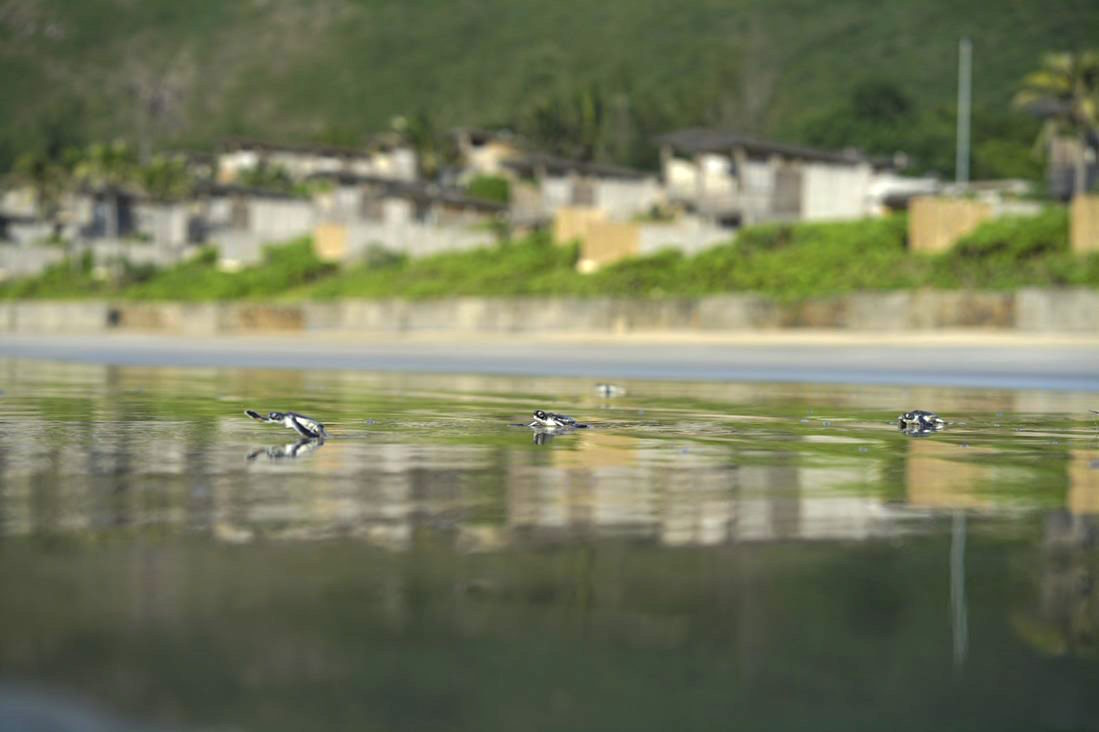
{"x": 965, "y": 66}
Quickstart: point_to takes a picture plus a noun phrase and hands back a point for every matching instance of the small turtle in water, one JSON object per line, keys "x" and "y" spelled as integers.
{"x": 305, "y": 426}
{"x": 918, "y": 422}
{"x": 550, "y": 421}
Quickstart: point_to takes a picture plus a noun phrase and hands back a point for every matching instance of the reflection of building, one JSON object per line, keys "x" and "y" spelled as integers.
{"x": 940, "y": 475}
{"x": 1083, "y": 482}
{"x": 614, "y": 485}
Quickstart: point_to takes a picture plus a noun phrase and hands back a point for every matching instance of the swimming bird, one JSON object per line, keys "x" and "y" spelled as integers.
{"x": 919, "y": 422}
{"x": 610, "y": 390}
{"x": 305, "y": 426}
{"x": 550, "y": 421}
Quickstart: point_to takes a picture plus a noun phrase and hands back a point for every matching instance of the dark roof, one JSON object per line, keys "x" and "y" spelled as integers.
{"x": 413, "y": 190}
{"x": 702, "y": 140}
{"x": 482, "y": 134}
{"x": 213, "y": 188}
{"x": 534, "y": 162}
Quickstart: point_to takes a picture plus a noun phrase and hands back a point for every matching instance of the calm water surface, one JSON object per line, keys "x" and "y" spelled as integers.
{"x": 706, "y": 556}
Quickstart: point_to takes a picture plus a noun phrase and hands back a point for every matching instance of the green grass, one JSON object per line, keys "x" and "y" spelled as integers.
{"x": 784, "y": 261}
{"x": 283, "y": 268}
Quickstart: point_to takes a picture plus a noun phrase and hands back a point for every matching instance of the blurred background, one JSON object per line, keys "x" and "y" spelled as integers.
{"x": 736, "y": 239}
{"x": 148, "y": 150}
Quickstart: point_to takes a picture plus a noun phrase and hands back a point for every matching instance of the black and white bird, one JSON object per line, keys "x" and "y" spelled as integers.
{"x": 550, "y": 421}
{"x": 305, "y": 426}
{"x": 920, "y": 422}
{"x": 608, "y": 391}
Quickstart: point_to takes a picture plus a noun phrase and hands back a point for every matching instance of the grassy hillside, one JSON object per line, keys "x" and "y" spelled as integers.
{"x": 163, "y": 71}
{"x": 785, "y": 261}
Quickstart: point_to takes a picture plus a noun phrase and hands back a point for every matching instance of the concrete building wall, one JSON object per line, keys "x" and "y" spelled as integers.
{"x": 25, "y": 233}
{"x": 689, "y": 235}
{"x": 238, "y": 248}
{"x": 18, "y": 201}
{"x": 757, "y": 190}
{"x": 164, "y": 223}
{"x": 413, "y": 238}
{"x": 557, "y": 192}
{"x": 715, "y": 175}
{"x": 278, "y": 219}
{"x": 27, "y": 260}
{"x": 833, "y": 192}
{"x": 680, "y": 177}
{"x": 624, "y": 199}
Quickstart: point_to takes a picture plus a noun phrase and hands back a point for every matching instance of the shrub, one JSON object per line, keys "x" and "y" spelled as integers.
{"x": 490, "y": 188}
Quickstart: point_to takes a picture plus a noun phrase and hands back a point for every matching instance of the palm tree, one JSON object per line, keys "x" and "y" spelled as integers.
{"x": 49, "y": 180}
{"x": 1065, "y": 91}
{"x": 111, "y": 165}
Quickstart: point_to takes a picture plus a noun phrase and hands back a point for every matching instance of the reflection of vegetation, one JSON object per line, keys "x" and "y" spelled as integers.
{"x": 605, "y": 635}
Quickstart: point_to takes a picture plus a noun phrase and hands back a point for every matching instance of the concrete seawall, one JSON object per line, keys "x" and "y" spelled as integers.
{"x": 1028, "y": 310}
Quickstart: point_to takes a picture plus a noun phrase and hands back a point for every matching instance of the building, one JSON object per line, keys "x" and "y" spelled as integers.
{"x": 740, "y": 180}
{"x": 412, "y": 218}
{"x": 546, "y": 184}
{"x": 1063, "y": 158}
{"x": 241, "y": 221}
{"x": 484, "y": 152}
{"x": 385, "y": 157}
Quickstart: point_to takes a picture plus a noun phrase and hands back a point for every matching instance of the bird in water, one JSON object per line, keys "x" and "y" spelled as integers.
{"x": 608, "y": 391}
{"x": 550, "y": 421}
{"x": 307, "y": 427}
{"x": 919, "y": 422}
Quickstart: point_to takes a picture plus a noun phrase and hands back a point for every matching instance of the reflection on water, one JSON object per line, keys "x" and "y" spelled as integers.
{"x": 304, "y": 446}
{"x": 703, "y": 555}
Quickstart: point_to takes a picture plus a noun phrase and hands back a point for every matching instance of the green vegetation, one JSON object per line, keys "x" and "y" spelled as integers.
{"x": 491, "y": 188}
{"x": 604, "y": 76}
{"x": 283, "y": 269}
{"x": 786, "y": 261}
{"x": 1065, "y": 93}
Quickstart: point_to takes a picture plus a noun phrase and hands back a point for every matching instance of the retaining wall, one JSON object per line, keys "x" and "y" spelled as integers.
{"x": 1028, "y": 310}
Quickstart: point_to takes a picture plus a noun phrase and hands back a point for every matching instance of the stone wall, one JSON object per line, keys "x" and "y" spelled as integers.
{"x": 1029, "y": 311}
